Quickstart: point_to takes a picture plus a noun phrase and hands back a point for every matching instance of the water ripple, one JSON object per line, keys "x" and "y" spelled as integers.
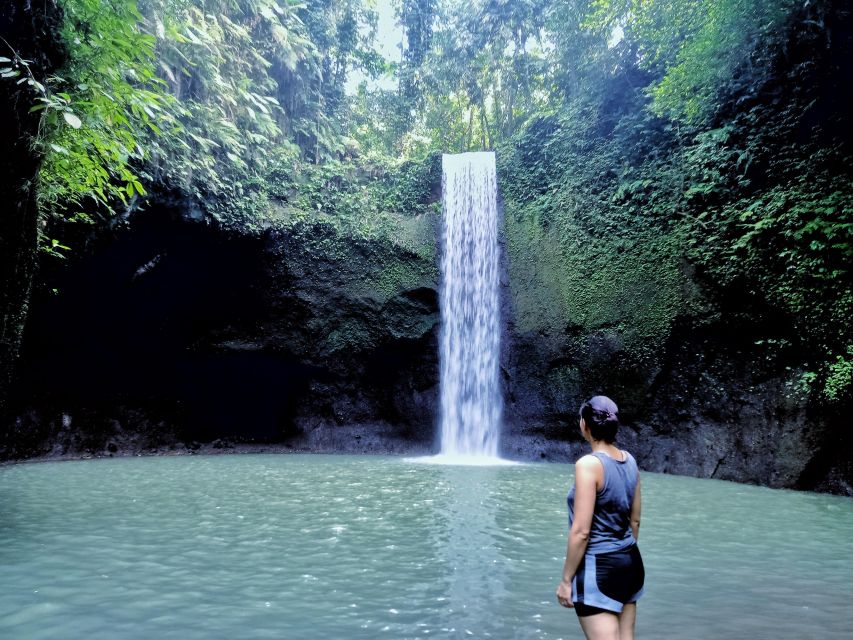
{"x": 318, "y": 546}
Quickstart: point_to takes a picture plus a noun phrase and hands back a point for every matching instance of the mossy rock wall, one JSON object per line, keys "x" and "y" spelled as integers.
{"x": 611, "y": 305}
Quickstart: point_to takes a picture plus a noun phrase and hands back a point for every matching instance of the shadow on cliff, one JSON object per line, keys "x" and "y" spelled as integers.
{"x": 174, "y": 331}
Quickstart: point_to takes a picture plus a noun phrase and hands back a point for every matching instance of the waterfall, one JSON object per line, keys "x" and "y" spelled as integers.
{"x": 471, "y": 402}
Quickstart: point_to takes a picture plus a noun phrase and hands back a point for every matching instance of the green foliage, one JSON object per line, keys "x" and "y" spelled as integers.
{"x": 770, "y": 201}
{"x": 697, "y": 48}
{"x": 643, "y": 145}
{"x": 417, "y": 18}
{"x": 721, "y": 53}
{"x": 840, "y": 378}
{"x": 198, "y": 98}
{"x": 484, "y": 71}
{"x": 259, "y": 87}
{"x": 248, "y": 78}
{"x": 99, "y": 111}
{"x": 719, "y": 158}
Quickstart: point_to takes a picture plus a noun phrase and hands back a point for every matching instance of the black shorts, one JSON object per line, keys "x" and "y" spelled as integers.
{"x": 608, "y": 581}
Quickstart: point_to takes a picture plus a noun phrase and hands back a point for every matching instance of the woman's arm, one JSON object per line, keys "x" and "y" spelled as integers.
{"x": 636, "y": 507}
{"x": 587, "y": 472}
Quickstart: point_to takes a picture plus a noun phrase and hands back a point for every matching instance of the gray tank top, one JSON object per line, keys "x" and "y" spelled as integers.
{"x": 611, "y": 518}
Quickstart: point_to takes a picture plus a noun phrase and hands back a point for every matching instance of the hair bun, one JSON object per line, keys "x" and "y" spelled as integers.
{"x": 602, "y": 417}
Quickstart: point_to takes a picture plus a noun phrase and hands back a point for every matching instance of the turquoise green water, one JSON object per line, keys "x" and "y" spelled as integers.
{"x": 310, "y": 547}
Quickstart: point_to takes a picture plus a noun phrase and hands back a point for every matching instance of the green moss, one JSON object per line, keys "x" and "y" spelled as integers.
{"x": 369, "y": 231}
{"x": 345, "y": 334}
{"x": 376, "y": 267}
{"x": 399, "y": 274}
{"x": 535, "y": 276}
{"x": 563, "y": 279}
{"x": 564, "y": 385}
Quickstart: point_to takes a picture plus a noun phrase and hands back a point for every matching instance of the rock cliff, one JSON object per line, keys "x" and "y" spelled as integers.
{"x": 173, "y": 333}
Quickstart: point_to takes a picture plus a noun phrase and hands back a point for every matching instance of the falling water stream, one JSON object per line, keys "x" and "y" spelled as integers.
{"x": 471, "y": 402}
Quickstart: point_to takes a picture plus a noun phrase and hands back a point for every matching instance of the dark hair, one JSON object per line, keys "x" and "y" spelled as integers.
{"x": 601, "y": 416}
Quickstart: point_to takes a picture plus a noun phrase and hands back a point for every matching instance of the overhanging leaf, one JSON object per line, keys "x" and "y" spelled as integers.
{"x": 72, "y": 120}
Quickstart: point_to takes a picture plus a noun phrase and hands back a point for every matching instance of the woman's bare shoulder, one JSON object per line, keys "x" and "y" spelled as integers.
{"x": 588, "y": 461}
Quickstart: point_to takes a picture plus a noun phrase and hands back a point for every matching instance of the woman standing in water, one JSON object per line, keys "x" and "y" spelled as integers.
{"x": 603, "y": 574}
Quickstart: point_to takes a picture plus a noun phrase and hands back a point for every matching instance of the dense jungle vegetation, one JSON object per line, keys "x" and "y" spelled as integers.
{"x": 637, "y": 141}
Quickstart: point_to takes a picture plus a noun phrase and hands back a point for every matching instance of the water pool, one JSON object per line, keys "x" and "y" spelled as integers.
{"x": 309, "y": 546}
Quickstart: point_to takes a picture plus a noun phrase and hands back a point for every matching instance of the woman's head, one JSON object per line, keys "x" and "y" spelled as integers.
{"x": 601, "y": 416}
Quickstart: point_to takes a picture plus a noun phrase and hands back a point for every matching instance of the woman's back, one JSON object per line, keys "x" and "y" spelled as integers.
{"x": 610, "y": 529}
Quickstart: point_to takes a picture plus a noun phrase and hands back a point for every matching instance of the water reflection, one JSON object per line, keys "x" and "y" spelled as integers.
{"x": 475, "y": 569}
